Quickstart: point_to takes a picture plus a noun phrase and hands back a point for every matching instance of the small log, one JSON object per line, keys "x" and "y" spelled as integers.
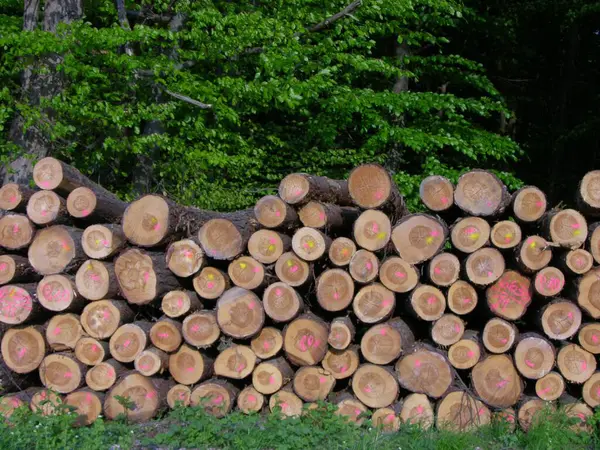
{"x": 18, "y": 303}
{"x": 507, "y": 418}
{"x": 575, "y": 364}
{"x": 397, "y": 275}
{"x": 216, "y": 397}
{"x": 383, "y": 343}
{"x": 427, "y": 302}
{"x": 549, "y": 282}
{"x": 591, "y": 390}
{"x": 149, "y": 396}
{"x": 578, "y": 412}
{"x": 188, "y": 366}
{"x": 588, "y": 193}
{"x": 305, "y": 340}
{"x": 529, "y": 412}
{"x": 349, "y": 407}
{"x": 386, "y": 420}
{"x": 62, "y": 372}
{"x": 200, "y": 329}
{"x": 179, "y": 395}
{"x": 282, "y": 303}
{"x": 58, "y": 293}
{"x": 63, "y": 331}
{"x": 23, "y": 349}
{"x": 103, "y": 241}
{"x": 341, "y": 364}
{"x": 47, "y": 208}
{"x": 459, "y": 411}
{"x": 129, "y": 341}
{"x": 533, "y": 254}
{"x": 313, "y": 383}
{"x": 143, "y": 276}
{"x": 166, "y": 334}
{"x": 372, "y": 230}
{"x": 510, "y": 296}
{"x": 299, "y": 188}
{"x": 103, "y": 376}
{"x": 467, "y": 352}
{"x": 529, "y": 204}
{"x": 505, "y": 235}
{"x": 372, "y": 187}
{"x": 577, "y": 262}
{"x": 247, "y": 273}
{"x": 560, "y": 319}
{"x": 447, "y": 330}
{"x": 95, "y": 206}
{"x": 272, "y": 212}
{"x": 462, "y": 298}
{"x": 96, "y": 280}
{"x": 587, "y": 292}
{"x": 151, "y": 361}
{"x": 46, "y": 403}
{"x": 469, "y": 234}
{"x": 10, "y": 403}
{"x": 16, "y": 231}
{"x": 419, "y": 237}
{"x": 424, "y": 370}
{"x": 14, "y": 197}
{"x": 499, "y": 335}
{"x": 341, "y": 251}
{"x": 496, "y": 381}
{"x": 235, "y": 362}
{"x": 51, "y": 174}
{"x": 375, "y": 386}
{"x": 267, "y": 343}
{"x": 416, "y": 409}
{"x": 364, "y": 266}
{"x": 567, "y": 228}
{"x": 179, "y": 303}
{"x": 484, "y": 266}
{"x": 593, "y": 241}
{"x": 335, "y": 290}
{"x": 551, "y": 386}
{"x": 240, "y": 313}
{"x": 327, "y": 216}
{"x": 56, "y": 249}
{"x": 437, "y": 193}
{"x": 341, "y": 333}
{"x": 286, "y": 402}
{"x": 102, "y": 318}
{"x": 271, "y": 375}
{"x": 90, "y": 351}
{"x": 534, "y": 356}
{"x": 227, "y": 238}
{"x": 310, "y": 244}
{"x": 184, "y": 258}
{"x": 250, "y": 400}
{"x": 266, "y": 246}
{"x": 481, "y": 193}
{"x": 15, "y": 269}
{"x": 87, "y": 405}
{"x": 373, "y": 303}
{"x": 292, "y": 270}
{"x": 443, "y": 269}
{"x": 589, "y": 337}
{"x": 210, "y": 283}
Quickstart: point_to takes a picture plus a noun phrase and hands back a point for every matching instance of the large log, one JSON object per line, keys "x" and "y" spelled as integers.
{"x": 56, "y": 249}
{"x": 47, "y": 208}
{"x": 102, "y": 318}
{"x": 529, "y": 204}
{"x": 63, "y": 331}
{"x": 129, "y": 341}
{"x": 460, "y": 411}
{"x": 481, "y": 193}
{"x": 95, "y": 205}
{"x": 419, "y": 237}
{"x": 227, "y": 237}
{"x": 588, "y": 194}
{"x": 15, "y": 269}
{"x": 424, "y": 370}
{"x": 62, "y": 372}
{"x": 496, "y": 381}
{"x": 18, "y": 303}
{"x": 299, "y": 188}
{"x": 180, "y": 303}
{"x": 16, "y": 231}
{"x": 215, "y": 396}
{"x": 437, "y": 193}
{"x": 267, "y": 343}
{"x": 23, "y": 349}
{"x": 375, "y": 386}
{"x": 189, "y": 366}
{"x": 184, "y": 257}
{"x": 272, "y": 212}
{"x": 469, "y": 234}
{"x": 566, "y": 228}
{"x": 236, "y": 362}
{"x": 14, "y": 197}
{"x": 372, "y": 187}
{"x": 305, "y": 340}
{"x": 58, "y": 293}
{"x": 103, "y": 241}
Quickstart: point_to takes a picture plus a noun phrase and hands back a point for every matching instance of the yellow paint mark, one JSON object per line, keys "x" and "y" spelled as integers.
{"x": 508, "y": 236}
{"x": 474, "y": 236}
{"x": 429, "y": 240}
{"x": 243, "y": 265}
{"x": 576, "y": 233}
{"x": 90, "y": 267}
{"x": 381, "y": 235}
{"x": 210, "y": 276}
{"x": 289, "y": 263}
{"x": 532, "y": 245}
{"x": 271, "y": 248}
{"x": 311, "y": 244}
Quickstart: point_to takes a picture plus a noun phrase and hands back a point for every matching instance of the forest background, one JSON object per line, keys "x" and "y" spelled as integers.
{"x": 213, "y": 102}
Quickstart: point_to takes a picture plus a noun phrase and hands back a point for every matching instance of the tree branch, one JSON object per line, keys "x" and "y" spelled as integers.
{"x": 189, "y": 100}
{"x": 330, "y": 20}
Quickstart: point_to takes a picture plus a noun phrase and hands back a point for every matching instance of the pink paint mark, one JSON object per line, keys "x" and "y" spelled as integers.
{"x": 179, "y": 303}
{"x": 434, "y": 233}
{"x": 389, "y": 418}
{"x": 481, "y": 411}
{"x": 368, "y": 389}
{"x": 266, "y": 345}
{"x": 575, "y": 226}
{"x": 294, "y": 269}
{"x": 163, "y": 335}
{"x": 529, "y": 363}
{"x": 323, "y": 380}
{"x": 277, "y": 213}
{"x": 417, "y": 363}
{"x": 375, "y": 227}
{"x": 13, "y": 199}
{"x": 457, "y": 328}
{"x": 43, "y": 395}
{"x": 431, "y": 300}
{"x": 583, "y": 365}
{"x": 240, "y": 368}
{"x": 503, "y": 340}
{"x": 598, "y": 393}
{"x": 383, "y": 332}
{"x": 190, "y": 369}
{"x": 256, "y": 269}
{"x": 594, "y": 338}
{"x": 437, "y": 270}
{"x": 94, "y": 277}
{"x": 305, "y": 245}
{"x": 85, "y": 212}
{"x": 444, "y": 200}
{"x": 343, "y": 369}
{"x": 297, "y": 191}
{"x": 43, "y": 213}
{"x": 15, "y": 228}
{"x": 210, "y": 285}
{"x": 195, "y": 327}
{"x": 369, "y": 265}
{"x": 57, "y": 331}
{"x": 15, "y": 403}
{"x": 278, "y": 292}
{"x": 400, "y": 275}
{"x": 88, "y": 397}
{"x": 106, "y": 314}
{"x": 272, "y": 241}
{"x": 251, "y": 305}
{"x": 321, "y": 216}
{"x": 336, "y": 295}
{"x": 251, "y": 398}
{"x": 419, "y": 409}
{"x": 127, "y": 343}
{"x": 470, "y": 354}
{"x": 387, "y": 302}
{"x": 105, "y": 243}
{"x": 68, "y": 375}
{"x": 490, "y": 274}
{"x": 3, "y": 266}
{"x": 110, "y": 372}
{"x": 501, "y": 384}
{"x": 539, "y": 204}
{"x": 156, "y": 227}
{"x": 271, "y": 379}
{"x": 466, "y": 300}
{"x": 489, "y": 204}
{"x": 570, "y": 315}
{"x": 379, "y": 194}
{"x": 144, "y": 366}
{"x": 357, "y": 412}
{"x": 146, "y": 276}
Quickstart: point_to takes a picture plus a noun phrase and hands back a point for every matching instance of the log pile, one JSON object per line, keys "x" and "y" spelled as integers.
{"x": 485, "y": 306}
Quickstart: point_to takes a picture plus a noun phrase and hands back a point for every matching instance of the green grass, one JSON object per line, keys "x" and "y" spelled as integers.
{"x": 319, "y": 429}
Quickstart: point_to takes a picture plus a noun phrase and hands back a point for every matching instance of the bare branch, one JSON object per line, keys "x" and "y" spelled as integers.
{"x": 189, "y": 100}
{"x": 150, "y": 17}
{"x": 343, "y": 13}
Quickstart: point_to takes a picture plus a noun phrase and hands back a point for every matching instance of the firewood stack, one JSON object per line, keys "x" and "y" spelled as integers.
{"x": 331, "y": 290}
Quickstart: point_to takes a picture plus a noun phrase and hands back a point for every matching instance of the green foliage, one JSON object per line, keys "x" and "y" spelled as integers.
{"x": 284, "y": 98}
{"x": 318, "y": 428}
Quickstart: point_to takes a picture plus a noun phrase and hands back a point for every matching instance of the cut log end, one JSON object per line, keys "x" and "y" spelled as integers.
{"x": 447, "y": 330}
{"x": 510, "y": 296}
{"x": 530, "y": 412}
{"x": 48, "y": 173}
{"x": 104, "y": 375}
{"x": 56, "y": 293}
{"x": 288, "y": 403}
{"x": 180, "y": 303}
{"x": 364, "y": 266}
{"x": 305, "y": 340}
{"x": 90, "y": 351}
{"x": 341, "y": 364}
{"x": 417, "y": 410}
{"x": 561, "y": 319}
{"x": 470, "y": 234}
{"x": 188, "y": 366}
{"x": 87, "y": 405}
{"x": 529, "y": 204}
{"x": 266, "y": 246}
{"x": 246, "y": 272}
{"x": 589, "y": 337}
{"x": 373, "y": 303}
{"x": 210, "y": 283}
{"x": 568, "y": 228}
{"x": 418, "y": 237}
{"x": 270, "y": 376}
{"x": 370, "y": 186}
{"x": 294, "y": 188}
{"x": 428, "y": 302}
{"x": 146, "y": 221}
{"x": 464, "y": 354}
{"x": 291, "y": 269}
{"x": 272, "y": 212}
{"x": 17, "y": 303}
{"x": 250, "y": 401}
{"x": 139, "y": 390}
{"x": 221, "y": 239}
{"x": 579, "y": 261}
{"x": 589, "y": 191}
{"x": 128, "y": 342}
{"x": 267, "y": 343}
{"x": 179, "y": 395}
{"x": 506, "y": 234}
{"x": 61, "y": 372}
{"x": 341, "y": 333}
{"x": 63, "y": 331}
{"x": 45, "y": 207}
{"x": 551, "y": 386}
{"x": 46, "y": 402}
{"x": 101, "y": 319}
{"x": 335, "y": 290}
{"x": 236, "y": 362}
{"x": 95, "y": 280}
{"x": 499, "y": 335}
{"x": 484, "y": 266}
{"x": 462, "y": 298}
{"x": 549, "y": 281}
{"x": 424, "y": 371}
{"x": 240, "y": 313}
{"x": 102, "y": 241}
{"x": 200, "y": 329}
{"x": 281, "y": 302}
{"x": 534, "y": 356}
{"x": 184, "y": 258}
{"x": 398, "y": 276}
{"x": 13, "y": 196}
{"x": 437, "y": 193}
{"x": 313, "y": 215}
{"x": 575, "y": 364}
{"x": 588, "y": 293}
{"x": 54, "y": 249}
{"x": 381, "y": 344}
{"x": 386, "y": 420}
{"x": 480, "y": 193}
{"x": 166, "y": 335}
{"x": 16, "y": 231}
{"x": 313, "y": 383}
{"x": 497, "y": 382}
{"x": 372, "y": 230}
{"x": 23, "y": 349}
{"x": 444, "y": 269}
{"x": 341, "y": 251}
{"x": 216, "y": 397}
{"x": 352, "y": 410}
{"x": 81, "y": 202}
{"x": 460, "y": 411}
{"x": 375, "y": 386}
{"x": 310, "y": 244}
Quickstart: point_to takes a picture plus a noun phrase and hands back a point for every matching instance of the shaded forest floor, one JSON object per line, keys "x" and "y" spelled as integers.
{"x": 191, "y": 428}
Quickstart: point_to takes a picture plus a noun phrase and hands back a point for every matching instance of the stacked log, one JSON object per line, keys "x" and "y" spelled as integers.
{"x": 487, "y": 305}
